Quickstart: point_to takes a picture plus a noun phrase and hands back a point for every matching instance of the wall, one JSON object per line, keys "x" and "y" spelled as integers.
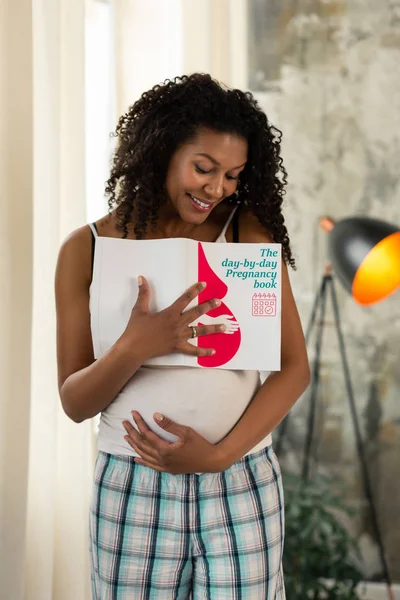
{"x": 327, "y": 74}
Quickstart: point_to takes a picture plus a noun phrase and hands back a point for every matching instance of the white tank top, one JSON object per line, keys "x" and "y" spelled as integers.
{"x": 211, "y": 401}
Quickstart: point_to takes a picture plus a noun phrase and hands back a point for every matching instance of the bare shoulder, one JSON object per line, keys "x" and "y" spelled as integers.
{"x": 72, "y": 294}
{"x": 79, "y": 238}
{"x": 251, "y": 231}
{"x": 76, "y": 249}
{"x": 76, "y": 253}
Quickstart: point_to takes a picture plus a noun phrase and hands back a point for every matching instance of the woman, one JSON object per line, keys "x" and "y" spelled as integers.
{"x": 190, "y": 505}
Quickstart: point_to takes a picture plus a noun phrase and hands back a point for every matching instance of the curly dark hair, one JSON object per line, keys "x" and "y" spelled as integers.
{"x": 169, "y": 115}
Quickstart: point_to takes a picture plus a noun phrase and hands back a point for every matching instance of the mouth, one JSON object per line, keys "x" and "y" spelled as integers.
{"x": 201, "y": 205}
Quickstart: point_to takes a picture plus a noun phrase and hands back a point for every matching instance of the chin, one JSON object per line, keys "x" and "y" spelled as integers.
{"x": 194, "y": 219}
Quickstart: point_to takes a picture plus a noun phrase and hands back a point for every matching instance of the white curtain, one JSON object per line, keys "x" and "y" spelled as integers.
{"x": 184, "y": 37}
{"x": 16, "y": 286}
{"x": 46, "y": 461}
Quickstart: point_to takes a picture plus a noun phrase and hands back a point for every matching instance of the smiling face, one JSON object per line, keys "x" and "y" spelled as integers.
{"x": 203, "y": 172}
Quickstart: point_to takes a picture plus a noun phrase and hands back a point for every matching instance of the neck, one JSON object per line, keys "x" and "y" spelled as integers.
{"x": 170, "y": 224}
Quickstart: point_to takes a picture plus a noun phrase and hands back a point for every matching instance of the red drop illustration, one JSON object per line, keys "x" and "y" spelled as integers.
{"x": 225, "y": 345}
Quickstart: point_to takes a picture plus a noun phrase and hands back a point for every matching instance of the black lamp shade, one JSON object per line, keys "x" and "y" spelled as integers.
{"x": 365, "y": 255}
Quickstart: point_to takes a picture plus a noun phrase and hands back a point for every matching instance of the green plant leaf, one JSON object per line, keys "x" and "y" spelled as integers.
{"x": 318, "y": 547}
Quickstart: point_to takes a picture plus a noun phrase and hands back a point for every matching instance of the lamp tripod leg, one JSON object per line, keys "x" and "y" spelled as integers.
{"x": 320, "y": 301}
{"x": 359, "y": 442}
{"x": 317, "y": 301}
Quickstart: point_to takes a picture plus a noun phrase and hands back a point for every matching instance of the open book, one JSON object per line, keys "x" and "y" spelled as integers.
{"x": 246, "y": 277}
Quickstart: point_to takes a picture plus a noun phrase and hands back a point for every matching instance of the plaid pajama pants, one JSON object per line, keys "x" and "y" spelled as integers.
{"x": 214, "y": 536}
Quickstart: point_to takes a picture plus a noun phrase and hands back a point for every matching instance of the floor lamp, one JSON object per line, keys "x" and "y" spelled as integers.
{"x": 365, "y": 256}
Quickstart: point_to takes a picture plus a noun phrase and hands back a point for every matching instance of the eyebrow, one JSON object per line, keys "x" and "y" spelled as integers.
{"x": 216, "y": 162}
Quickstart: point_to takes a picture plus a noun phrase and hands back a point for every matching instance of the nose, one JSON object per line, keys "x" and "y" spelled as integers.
{"x": 215, "y": 188}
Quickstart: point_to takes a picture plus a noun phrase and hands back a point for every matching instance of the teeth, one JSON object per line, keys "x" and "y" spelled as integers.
{"x": 199, "y": 202}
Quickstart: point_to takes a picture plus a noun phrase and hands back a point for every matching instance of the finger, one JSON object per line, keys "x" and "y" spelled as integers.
{"x": 202, "y": 330}
{"x": 142, "y": 426}
{"x": 143, "y": 297}
{"x": 201, "y": 309}
{"x": 152, "y": 440}
{"x": 144, "y": 456}
{"x": 144, "y": 451}
{"x": 137, "y": 442}
{"x": 146, "y": 439}
{"x": 190, "y": 294}
{"x": 169, "y": 425}
{"x": 192, "y": 350}
{"x": 148, "y": 435}
{"x": 137, "y": 436}
{"x": 131, "y": 431}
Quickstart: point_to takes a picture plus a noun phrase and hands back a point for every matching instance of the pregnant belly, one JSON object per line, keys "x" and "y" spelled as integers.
{"x": 210, "y": 401}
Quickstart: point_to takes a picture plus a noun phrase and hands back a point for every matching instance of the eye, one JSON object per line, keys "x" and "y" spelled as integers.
{"x": 202, "y": 171}
{"x": 231, "y": 178}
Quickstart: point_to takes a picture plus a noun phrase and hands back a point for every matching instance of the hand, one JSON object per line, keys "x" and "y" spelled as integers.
{"x": 191, "y": 453}
{"x": 168, "y": 331}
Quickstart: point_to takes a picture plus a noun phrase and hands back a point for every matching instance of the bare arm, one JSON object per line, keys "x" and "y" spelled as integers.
{"x": 86, "y": 386}
{"x": 282, "y": 388}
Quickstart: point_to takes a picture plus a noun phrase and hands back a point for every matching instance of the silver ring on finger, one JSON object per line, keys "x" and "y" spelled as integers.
{"x": 194, "y": 332}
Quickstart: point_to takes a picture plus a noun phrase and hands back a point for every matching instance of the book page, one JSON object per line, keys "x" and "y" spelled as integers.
{"x": 245, "y": 277}
{"x": 118, "y": 263}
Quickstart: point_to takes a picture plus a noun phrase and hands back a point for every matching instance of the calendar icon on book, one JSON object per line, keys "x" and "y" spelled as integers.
{"x": 264, "y": 305}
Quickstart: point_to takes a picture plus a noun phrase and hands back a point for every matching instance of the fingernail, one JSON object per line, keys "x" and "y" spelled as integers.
{"x": 222, "y": 328}
{"x": 158, "y": 417}
{"x": 212, "y": 352}
{"x": 217, "y": 302}
{"x": 140, "y": 280}
{"x": 203, "y": 284}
